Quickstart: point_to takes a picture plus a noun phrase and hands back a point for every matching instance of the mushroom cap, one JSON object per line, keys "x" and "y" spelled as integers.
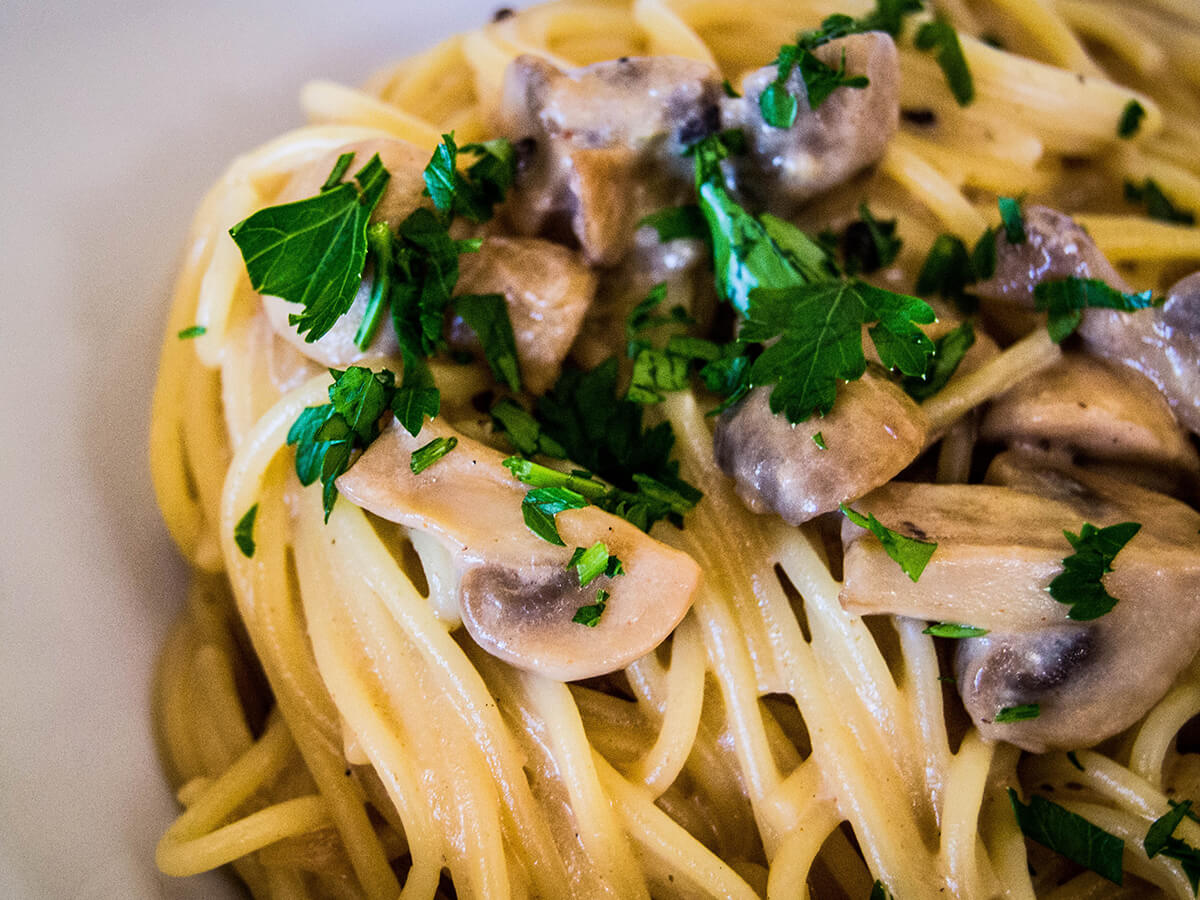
{"x": 873, "y": 432}
{"x": 516, "y": 594}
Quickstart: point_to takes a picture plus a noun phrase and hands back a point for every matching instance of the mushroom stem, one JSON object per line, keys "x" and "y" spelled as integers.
{"x": 1031, "y": 354}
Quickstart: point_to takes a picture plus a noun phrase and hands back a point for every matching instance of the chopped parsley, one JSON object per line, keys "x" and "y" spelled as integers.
{"x": 1014, "y": 222}
{"x": 1160, "y": 839}
{"x": 948, "y": 352}
{"x": 590, "y": 615}
{"x": 819, "y": 440}
{"x": 589, "y": 564}
{"x": 193, "y": 331}
{"x": 1158, "y": 205}
{"x": 424, "y": 457}
{"x": 779, "y": 106}
{"x": 1080, "y": 584}
{"x": 523, "y": 430}
{"x": 949, "y": 269}
{"x": 243, "y": 532}
{"x": 910, "y": 554}
{"x": 879, "y": 891}
{"x": 1065, "y": 299}
{"x": 1131, "y": 119}
{"x": 487, "y": 316}
{"x": 1070, "y": 835}
{"x": 543, "y": 504}
{"x": 951, "y": 630}
{"x": 474, "y": 195}
{"x": 312, "y": 251}
{"x": 729, "y": 89}
{"x": 869, "y": 244}
{"x": 676, "y": 222}
{"x": 1018, "y": 713}
{"x": 940, "y": 38}
{"x": 888, "y": 15}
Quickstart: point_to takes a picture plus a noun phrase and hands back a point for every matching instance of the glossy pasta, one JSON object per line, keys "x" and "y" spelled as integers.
{"x": 776, "y": 745}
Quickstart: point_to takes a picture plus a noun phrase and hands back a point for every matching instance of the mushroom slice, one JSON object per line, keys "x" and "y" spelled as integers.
{"x": 1094, "y": 409}
{"x": 999, "y": 546}
{"x": 609, "y": 141}
{"x": 1162, "y": 343}
{"x": 873, "y": 432}
{"x": 547, "y": 289}
{"x": 516, "y": 594}
{"x": 826, "y": 146}
{"x": 406, "y": 162}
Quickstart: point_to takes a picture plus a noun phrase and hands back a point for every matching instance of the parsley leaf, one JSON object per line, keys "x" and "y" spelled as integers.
{"x": 1065, "y": 299}
{"x": 417, "y": 396}
{"x": 676, "y": 222}
{"x": 1070, "y": 835}
{"x": 949, "y": 269}
{"x": 819, "y": 331}
{"x": 1158, "y": 205}
{"x": 1080, "y": 585}
{"x": 910, "y": 554}
{"x": 312, "y": 251}
{"x": 777, "y": 104}
{"x": 950, "y": 630}
{"x": 1131, "y": 119}
{"x": 948, "y": 352}
{"x": 524, "y": 431}
{"x": 940, "y": 37}
{"x": 593, "y": 562}
{"x": 487, "y": 316}
{"x": 193, "y": 331}
{"x": 1160, "y": 839}
{"x": 1014, "y": 222}
{"x": 590, "y": 615}
{"x": 879, "y": 891}
{"x": 542, "y": 504}
{"x": 243, "y": 532}
{"x": 1018, "y": 713}
{"x": 424, "y": 457}
{"x": 888, "y": 16}
{"x": 426, "y": 271}
{"x": 868, "y": 244}
{"x": 475, "y": 194}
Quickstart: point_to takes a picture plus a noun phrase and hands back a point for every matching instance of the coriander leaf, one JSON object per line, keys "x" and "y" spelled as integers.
{"x": 1070, "y": 835}
{"x": 1080, "y": 585}
{"x": 524, "y": 431}
{"x": 948, "y": 352}
{"x": 1064, "y": 300}
{"x": 1158, "y": 205}
{"x": 312, "y": 251}
{"x": 360, "y": 397}
{"x": 940, "y": 37}
{"x": 950, "y": 630}
{"x": 1131, "y": 119}
{"x": 541, "y": 505}
{"x": 424, "y": 457}
{"x": 819, "y": 440}
{"x": 1014, "y": 222}
{"x": 819, "y": 331}
{"x": 243, "y": 532}
{"x": 1018, "y": 713}
{"x": 593, "y": 562}
{"x": 487, "y": 316}
{"x": 417, "y": 396}
{"x": 193, "y": 331}
{"x": 677, "y": 222}
{"x": 590, "y": 615}
{"x": 910, "y": 554}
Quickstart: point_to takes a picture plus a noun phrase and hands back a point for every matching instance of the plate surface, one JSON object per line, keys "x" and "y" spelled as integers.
{"x": 117, "y": 115}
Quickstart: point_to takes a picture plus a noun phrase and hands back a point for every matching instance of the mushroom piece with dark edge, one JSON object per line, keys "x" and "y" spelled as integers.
{"x": 873, "y": 431}
{"x": 608, "y": 143}
{"x": 517, "y": 596}
{"x": 999, "y": 546}
{"x": 1163, "y": 343}
{"x": 547, "y": 290}
{"x": 824, "y": 147}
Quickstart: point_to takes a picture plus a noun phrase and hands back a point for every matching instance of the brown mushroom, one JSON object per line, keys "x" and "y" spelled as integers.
{"x": 824, "y": 147}
{"x": 516, "y": 594}
{"x": 547, "y": 289}
{"x": 406, "y": 162}
{"x": 608, "y": 142}
{"x": 1162, "y": 343}
{"x": 873, "y": 431}
{"x": 1090, "y": 408}
{"x": 999, "y": 546}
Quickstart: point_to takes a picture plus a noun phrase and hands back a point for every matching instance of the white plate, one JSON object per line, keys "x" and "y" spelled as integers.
{"x": 115, "y": 115}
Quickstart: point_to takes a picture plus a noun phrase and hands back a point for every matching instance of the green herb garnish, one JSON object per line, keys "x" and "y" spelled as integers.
{"x": 487, "y": 316}
{"x": 590, "y": 615}
{"x": 524, "y": 431}
{"x": 777, "y": 104}
{"x": 1070, "y": 835}
{"x": 1080, "y": 584}
{"x": 243, "y": 532}
{"x": 1158, "y": 205}
{"x": 1065, "y": 299}
{"x": 1014, "y": 222}
{"x": 941, "y": 39}
{"x": 910, "y": 554}
{"x": 951, "y": 630}
{"x": 1160, "y": 839}
{"x": 879, "y": 891}
{"x": 676, "y": 222}
{"x": 948, "y": 352}
{"x": 819, "y": 440}
{"x": 475, "y": 194}
{"x": 1074, "y": 760}
{"x": 193, "y": 331}
{"x": 424, "y": 457}
{"x": 542, "y": 504}
{"x": 1131, "y": 119}
{"x": 589, "y": 564}
{"x": 1018, "y": 713}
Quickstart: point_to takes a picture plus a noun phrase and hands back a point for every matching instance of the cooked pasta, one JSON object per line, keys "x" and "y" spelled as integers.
{"x": 332, "y": 730}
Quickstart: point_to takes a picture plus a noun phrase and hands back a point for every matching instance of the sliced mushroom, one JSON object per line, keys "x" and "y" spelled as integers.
{"x": 1093, "y": 409}
{"x": 873, "y": 432}
{"x": 405, "y": 162}
{"x": 516, "y": 594}
{"x": 1162, "y": 343}
{"x": 609, "y": 141}
{"x": 823, "y": 147}
{"x": 999, "y": 546}
{"x": 548, "y": 290}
